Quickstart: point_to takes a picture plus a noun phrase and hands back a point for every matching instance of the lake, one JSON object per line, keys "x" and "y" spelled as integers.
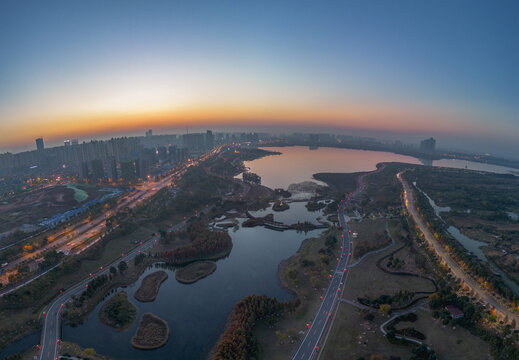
{"x": 197, "y": 313}
{"x": 299, "y": 163}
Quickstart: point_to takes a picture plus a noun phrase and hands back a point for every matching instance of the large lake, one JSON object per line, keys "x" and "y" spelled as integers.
{"x": 197, "y": 313}
{"x": 299, "y": 163}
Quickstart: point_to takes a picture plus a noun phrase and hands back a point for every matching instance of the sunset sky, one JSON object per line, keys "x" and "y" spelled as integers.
{"x": 411, "y": 69}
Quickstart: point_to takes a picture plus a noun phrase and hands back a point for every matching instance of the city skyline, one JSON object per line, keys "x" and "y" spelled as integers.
{"x": 78, "y": 70}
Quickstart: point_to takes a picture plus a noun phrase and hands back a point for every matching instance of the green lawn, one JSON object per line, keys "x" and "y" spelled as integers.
{"x": 80, "y": 195}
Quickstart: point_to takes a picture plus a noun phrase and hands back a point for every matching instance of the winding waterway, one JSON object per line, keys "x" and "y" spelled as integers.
{"x": 197, "y": 313}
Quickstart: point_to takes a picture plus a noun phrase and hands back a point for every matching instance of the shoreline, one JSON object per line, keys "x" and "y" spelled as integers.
{"x": 186, "y": 262}
{"x": 147, "y": 320}
{"x": 180, "y": 274}
{"x": 104, "y": 319}
{"x": 150, "y": 286}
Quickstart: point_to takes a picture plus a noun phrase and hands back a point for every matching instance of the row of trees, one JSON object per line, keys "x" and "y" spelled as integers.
{"x": 119, "y": 311}
{"x": 204, "y": 243}
{"x": 459, "y": 253}
{"x": 237, "y": 341}
{"x": 400, "y": 298}
{"x": 502, "y": 346}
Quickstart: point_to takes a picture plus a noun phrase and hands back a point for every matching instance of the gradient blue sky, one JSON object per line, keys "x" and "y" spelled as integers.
{"x": 407, "y": 69}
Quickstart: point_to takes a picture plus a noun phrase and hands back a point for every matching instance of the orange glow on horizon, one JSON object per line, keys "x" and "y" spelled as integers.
{"x": 359, "y": 118}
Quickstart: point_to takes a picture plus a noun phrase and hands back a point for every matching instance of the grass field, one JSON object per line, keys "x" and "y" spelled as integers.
{"x": 366, "y": 280}
{"x": 80, "y": 195}
{"x": 291, "y": 325}
{"x": 371, "y": 236}
{"x": 447, "y": 341}
{"x": 352, "y": 337}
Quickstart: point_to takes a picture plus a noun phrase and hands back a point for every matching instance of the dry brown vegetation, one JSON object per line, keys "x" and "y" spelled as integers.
{"x": 150, "y": 286}
{"x": 195, "y": 271}
{"x": 152, "y": 333}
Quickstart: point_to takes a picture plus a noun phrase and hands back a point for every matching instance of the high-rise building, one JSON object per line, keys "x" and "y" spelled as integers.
{"x": 39, "y": 144}
{"x": 313, "y": 141}
{"x": 98, "y": 171}
{"x": 162, "y": 152}
{"x": 428, "y": 146}
{"x": 128, "y": 170}
{"x": 142, "y": 168}
{"x": 66, "y": 142}
{"x": 209, "y": 140}
{"x": 111, "y": 168}
{"x": 149, "y": 132}
{"x": 83, "y": 170}
{"x": 194, "y": 142}
{"x": 75, "y": 141}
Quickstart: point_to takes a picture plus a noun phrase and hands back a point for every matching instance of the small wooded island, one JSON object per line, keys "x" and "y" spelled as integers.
{"x": 195, "y": 271}
{"x": 118, "y": 313}
{"x": 315, "y": 205}
{"x": 150, "y": 286}
{"x": 280, "y": 206}
{"x": 205, "y": 245}
{"x": 152, "y": 333}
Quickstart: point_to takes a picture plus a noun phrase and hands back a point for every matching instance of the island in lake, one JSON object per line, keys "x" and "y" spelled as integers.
{"x": 205, "y": 244}
{"x": 195, "y": 271}
{"x": 118, "y": 313}
{"x": 152, "y": 333}
{"x": 280, "y": 206}
{"x": 150, "y": 286}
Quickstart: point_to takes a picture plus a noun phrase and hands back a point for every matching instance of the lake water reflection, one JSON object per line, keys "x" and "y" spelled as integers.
{"x": 299, "y": 163}
{"x": 197, "y": 313}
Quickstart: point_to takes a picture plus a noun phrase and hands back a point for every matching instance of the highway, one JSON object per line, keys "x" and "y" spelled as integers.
{"x": 310, "y": 344}
{"x": 52, "y": 317}
{"x": 85, "y": 234}
{"x": 445, "y": 257}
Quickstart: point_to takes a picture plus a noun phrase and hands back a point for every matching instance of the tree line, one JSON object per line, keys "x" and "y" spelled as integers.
{"x": 237, "y": 342}
{"x": 204, "y": 242}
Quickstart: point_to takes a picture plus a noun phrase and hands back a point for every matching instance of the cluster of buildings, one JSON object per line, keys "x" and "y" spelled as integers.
{"x": 426, "y": 149}
{"x": 129, "y": 159}
{"x": 125, "y": 159}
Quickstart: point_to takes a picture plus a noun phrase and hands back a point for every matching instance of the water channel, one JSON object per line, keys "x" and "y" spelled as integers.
{"x": 471, "y": 245}
{"x": 197, "y": 313}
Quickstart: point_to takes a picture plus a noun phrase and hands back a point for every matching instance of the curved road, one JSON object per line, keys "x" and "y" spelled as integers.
{"x": 445, "y": 257}
{"x": 309, "y": 345}
{"x": 51, "y": 329}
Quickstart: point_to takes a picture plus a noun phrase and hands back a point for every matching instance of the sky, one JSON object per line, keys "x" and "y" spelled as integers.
{"x": 401, "y": 69}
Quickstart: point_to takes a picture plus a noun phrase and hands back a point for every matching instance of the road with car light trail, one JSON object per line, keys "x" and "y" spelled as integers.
{"x": 50, "y": 338}
{"x": 52, "y": 317}
{"x": 310, "y": 344}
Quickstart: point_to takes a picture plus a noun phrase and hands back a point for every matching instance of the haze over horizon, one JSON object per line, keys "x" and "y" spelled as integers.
{"x": 404, "y": 70}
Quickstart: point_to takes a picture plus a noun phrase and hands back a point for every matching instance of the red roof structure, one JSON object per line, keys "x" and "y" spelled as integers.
{"x": 455, "y": 312}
